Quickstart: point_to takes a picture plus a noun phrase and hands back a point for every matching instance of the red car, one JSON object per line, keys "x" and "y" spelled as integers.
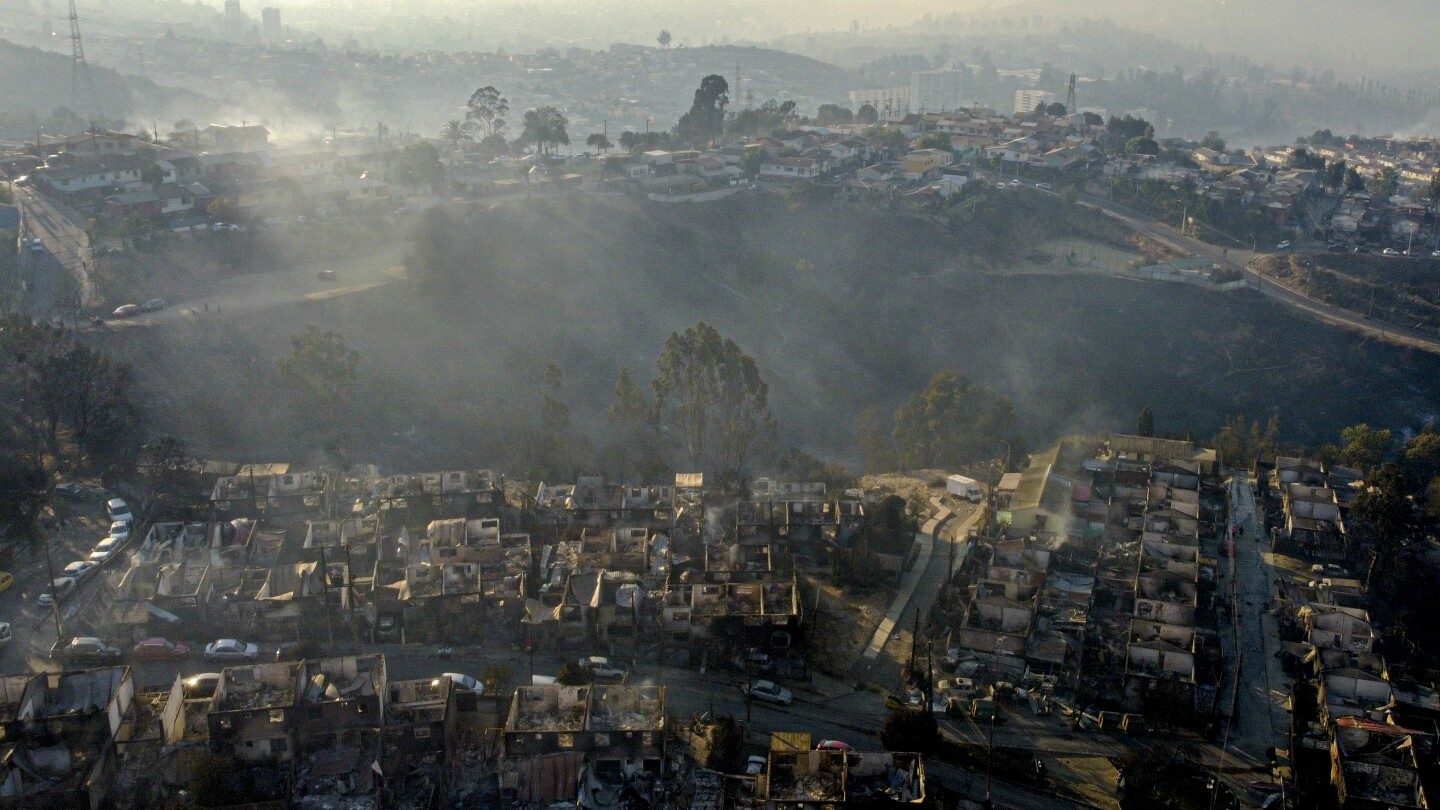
{"x": 159, "y": 649}
{"x": 326, "y": 275}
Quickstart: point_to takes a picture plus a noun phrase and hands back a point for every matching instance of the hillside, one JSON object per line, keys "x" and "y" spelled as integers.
{"x": 39, "y": 81}
{"x": 842, "y": 311}
{"x": 1393, "y": 289}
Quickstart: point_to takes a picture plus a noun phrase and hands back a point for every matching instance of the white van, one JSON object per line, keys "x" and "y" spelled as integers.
{"x": 117, "y": 509}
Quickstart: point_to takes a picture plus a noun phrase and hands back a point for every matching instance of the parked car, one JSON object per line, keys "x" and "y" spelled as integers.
{"x": 769, "y": 692}
{"x": 117, "y": 509}
{"x": 89, "y": 650}
{"x": 464, "y": 682}
{"x": 199, "y": 687}
{"x": 159, "y": 649}
{"x": 6, "y": 634}
{"x": 1390, "y": 252}
{"x": 754, "y": 765}
{"x": 120, "y": 530}
{"x": 832, "y": 745}
{"x": 153, "y": 305}
{"x": 1435, "y": 254}
{"x": 230, "y": 649}
{"x": 600, "y": 667}
{"x": 36, "y": 246}
{"x": 105, "y": 549}
{"x": 1285, "y": 245}
{"x": 78, "y": 569}
{"x": 326, "y": 275}
{"x": 56, "y": 591}
{"x": 72, "y": 491}
{"x": 7, "y": 580}
{"x": 1045, "y": 186}
{"x": 126, "y": 311}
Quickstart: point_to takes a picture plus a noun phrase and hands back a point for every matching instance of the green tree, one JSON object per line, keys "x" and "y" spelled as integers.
{"x": 1145, "y": 423}
{"x": 599, "y": 141}
{"x": 1383, "y": 517}
{"x": 320, "y": 369}
{"x": 545, "y": 129}
{"x": 455, "y": 131}
{"x": 867, "y": 114}
{"x": 420, "y": 165}
{"x": 1432, "y": 192}
{"x": 1335, "y": 175}
{"x": 935, "y": 140}
{"x": 1055, "y": 109}
{"x": 833, "y": 114}
{"x": 1128, "y": 128}
{"x": 1212, "y": 140}
{"x": 487, "y": 108}
{"x": 1240, "y": 442}
{"x": 703, "y": 122}
{"x": 636, "y": 450}
{"x": 711, "y": 391}
{"x": 1354, "y": 180}
{"x": 952, "y": 422}
{"x": 1421, "y": 461}
{"x": 1143, "y": 145}
{"x": 1365, "y": 447}
{"x": 750, "y": 162}
{"x": 664, "y": 39}
{"x": 1385, "y": 183}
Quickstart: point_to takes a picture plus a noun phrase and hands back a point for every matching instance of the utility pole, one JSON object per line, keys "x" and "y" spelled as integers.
{"x": 54, "y": 597}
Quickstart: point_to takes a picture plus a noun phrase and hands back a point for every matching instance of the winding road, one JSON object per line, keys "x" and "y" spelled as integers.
{"x": 1329, "y": 313}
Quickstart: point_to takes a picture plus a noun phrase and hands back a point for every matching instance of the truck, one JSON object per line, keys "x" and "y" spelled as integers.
{"x": 962, "y": 487}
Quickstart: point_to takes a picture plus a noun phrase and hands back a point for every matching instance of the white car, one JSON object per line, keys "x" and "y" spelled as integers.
{"x": 464, "y": 682}
{"x": 120, "y": 530}
{"x": 6, "y": 634}
{"x": 199, "y": 687}
{"x": 78, "y": 569}
{"x": 769, "y": 692}
{"x": 1390, "y": 252}
{"x": 117, "y": 509}
{"x": 230, "y": 649}
{"x": 55, "y": 591}
{"x": 105, "y": 549}
{"x": 755, "y": 765}
{"x": 1283, "y": 245}
{"x": 601, "y": 667}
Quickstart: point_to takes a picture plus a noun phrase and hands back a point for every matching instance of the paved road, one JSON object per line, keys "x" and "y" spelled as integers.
{"x": 1168, "y": 236}
{"x": 62, "y": 231}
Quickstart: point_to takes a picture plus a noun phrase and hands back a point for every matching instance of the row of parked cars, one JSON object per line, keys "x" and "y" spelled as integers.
{"x": 75, "y": 572}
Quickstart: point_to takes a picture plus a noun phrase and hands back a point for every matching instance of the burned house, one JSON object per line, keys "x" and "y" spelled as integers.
{"x": 270, "y": 489}
{"x": 60, "y": 729}
{"x": 1313, "y": 523}
{"x": 854, "y": 779}
{"x": 252, "y": 714}
{"x": 592, "y": 745}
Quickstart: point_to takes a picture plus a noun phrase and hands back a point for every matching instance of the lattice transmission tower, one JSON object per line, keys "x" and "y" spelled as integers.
{"x": 79, "y": 68}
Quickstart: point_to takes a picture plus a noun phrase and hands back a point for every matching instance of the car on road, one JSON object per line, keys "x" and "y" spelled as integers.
{"x": 120, "y": 529}
{"x": 126, "y": 311}
{"x": 57, "y": 590}
{"x": 105, "y": 549}
{"x": 78, "y": 569}
{"x": 1389, "y": 252}
{"x": 7, "y": 581}
{"x": 600, "y": 667}
{"x": 231, "y": 649}
{"x": 159, "y": 649}
{"x": 153, "y": 305}
{"x": 326, "y": 275}
{"x": 36, "y": 246}
{"x": 72, "y": 490}
{"x": 1283, "y": 245}
{"x": 768, "y": 692}
{"x": 1045, "y": 186}
{"x": 1435, "y": 254}
{"x": 117, "y": 509}
{"x": 1000, "y": 187}
{"x": 464, "y": 682}
{"x": 88, "y": 650}
{"x": 7, "y": 635}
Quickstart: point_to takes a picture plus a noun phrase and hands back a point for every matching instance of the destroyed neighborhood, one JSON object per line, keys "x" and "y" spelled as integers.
{"x": 456, "y": 639}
